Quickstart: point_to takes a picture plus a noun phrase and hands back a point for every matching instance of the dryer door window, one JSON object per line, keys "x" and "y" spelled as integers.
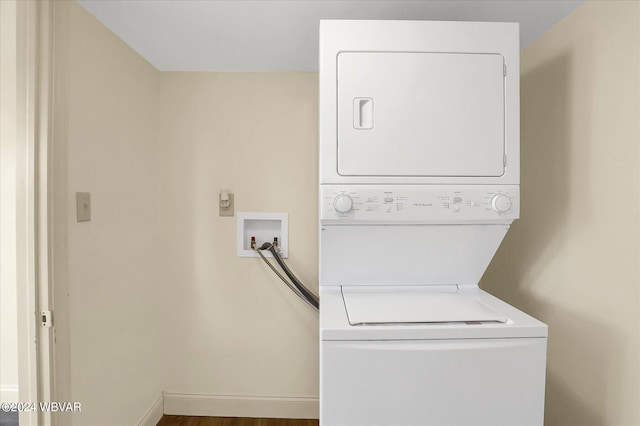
{"x": 420, "y": 114}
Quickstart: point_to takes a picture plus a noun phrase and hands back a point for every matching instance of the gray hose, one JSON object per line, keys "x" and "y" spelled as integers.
{"x": 291, "y": 286}
{"x": 301, "y": 287}
{"x": 302, "y": 291}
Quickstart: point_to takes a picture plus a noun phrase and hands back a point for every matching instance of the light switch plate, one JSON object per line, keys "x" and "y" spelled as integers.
{"x": 83, "y": 206}
{"x": 226, "y": 211}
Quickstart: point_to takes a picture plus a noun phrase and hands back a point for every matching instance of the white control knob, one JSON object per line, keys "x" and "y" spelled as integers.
{"x": 343, "y": 203}
{"x": 501, "y": 203}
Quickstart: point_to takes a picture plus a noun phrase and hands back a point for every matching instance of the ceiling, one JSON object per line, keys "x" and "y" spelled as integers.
{"x": 282, "y": 35}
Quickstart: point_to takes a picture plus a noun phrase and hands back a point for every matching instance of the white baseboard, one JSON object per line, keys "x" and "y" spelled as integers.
{"x": 153, "y": 416}
{"x": 9, "y": 394}
{"x": 241, "y": 406}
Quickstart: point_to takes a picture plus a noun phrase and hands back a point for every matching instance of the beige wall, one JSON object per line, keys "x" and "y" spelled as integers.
{"x": 107, "y": 146}
{"x": 231, "y": 327}
{"x": 154, "y": 149}
{"x": 572, "y": 259}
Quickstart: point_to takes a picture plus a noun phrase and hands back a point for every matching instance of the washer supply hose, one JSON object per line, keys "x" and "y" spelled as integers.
{"x": 297, "y": 287}
{"x": 301, "y": 287}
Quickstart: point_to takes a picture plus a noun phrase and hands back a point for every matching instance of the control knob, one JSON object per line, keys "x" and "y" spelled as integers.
{"x": 343, "y": 203}
{"x": 501, "y": 203}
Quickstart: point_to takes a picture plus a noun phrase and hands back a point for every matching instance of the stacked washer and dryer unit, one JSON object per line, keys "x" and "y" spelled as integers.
{"x": 419, "y": 183}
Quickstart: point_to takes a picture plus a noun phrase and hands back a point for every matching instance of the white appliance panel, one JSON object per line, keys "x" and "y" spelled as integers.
{"x": 420, "y": 114}
{"x": 468, "y": 382}
{"x": 407, "y": 254}
{"x": 371, "y": 306}
{"x": 466, "y": 42}
{"x": 413, "y": 204}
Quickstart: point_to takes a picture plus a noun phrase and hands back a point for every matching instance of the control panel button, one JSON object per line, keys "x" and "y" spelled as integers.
{"x": 343, "y": 203}
{"x": 388, "y": 199}
{"x": 501, "y": 203}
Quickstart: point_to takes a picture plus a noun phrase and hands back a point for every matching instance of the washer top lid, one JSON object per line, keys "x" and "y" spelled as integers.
{"x": 415, "y": 305}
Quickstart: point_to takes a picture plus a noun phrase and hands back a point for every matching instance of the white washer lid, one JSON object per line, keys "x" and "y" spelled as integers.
{"x": 414, "y": 305}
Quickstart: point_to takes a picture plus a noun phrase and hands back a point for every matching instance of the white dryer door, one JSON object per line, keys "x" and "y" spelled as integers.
{"x": 420, "y": 114}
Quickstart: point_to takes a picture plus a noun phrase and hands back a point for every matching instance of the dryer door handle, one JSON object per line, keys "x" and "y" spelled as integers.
{"x": 363, "y": 113}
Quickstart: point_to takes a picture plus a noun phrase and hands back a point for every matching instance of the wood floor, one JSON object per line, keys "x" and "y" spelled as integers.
{"x": 232, "y": 421}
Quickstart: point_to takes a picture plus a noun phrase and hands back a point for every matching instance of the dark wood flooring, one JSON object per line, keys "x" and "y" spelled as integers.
{"x": 232, "y": 421}
{"x": 8, "y": 419}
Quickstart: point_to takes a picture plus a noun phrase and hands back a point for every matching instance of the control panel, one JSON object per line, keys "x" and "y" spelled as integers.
{"x": 419, "y": 203}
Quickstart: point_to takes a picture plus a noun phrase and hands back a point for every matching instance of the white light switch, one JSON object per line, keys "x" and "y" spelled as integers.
{"x": 83, "y": 206}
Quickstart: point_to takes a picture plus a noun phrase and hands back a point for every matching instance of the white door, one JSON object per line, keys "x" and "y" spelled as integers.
{"x": 420, "y": 114}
